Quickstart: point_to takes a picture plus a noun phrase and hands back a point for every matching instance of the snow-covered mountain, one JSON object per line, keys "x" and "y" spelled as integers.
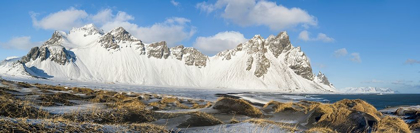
{"x": 368, "y": 90}
{"x": 89, "y": 54}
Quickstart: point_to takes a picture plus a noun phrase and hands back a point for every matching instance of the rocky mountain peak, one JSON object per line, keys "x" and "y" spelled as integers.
{"x": 111, "y": 39}
{"x": 56, "y": 38}
{"x": 298, "y": 61}
{"x": 90, "y": 29}
{"x": 323, "y": 79}
{"x": 282, "y": 34}
{"x": 158, "y": 50}
{"x": 279, "y": 43}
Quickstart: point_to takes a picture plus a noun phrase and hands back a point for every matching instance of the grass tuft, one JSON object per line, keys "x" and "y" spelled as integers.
{"x": 237, "y": 106}
{"x": 200, "y": 119}
{"x": 390, "y": 124}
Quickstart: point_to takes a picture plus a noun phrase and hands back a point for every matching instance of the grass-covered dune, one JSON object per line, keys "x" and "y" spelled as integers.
{"x": 33, "y": 108}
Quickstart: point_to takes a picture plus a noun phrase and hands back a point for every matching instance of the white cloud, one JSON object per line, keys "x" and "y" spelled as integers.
{"x": 61, "y": 20}
{"x": 355, "y": 57}
{"x": 174, "y": 3}
{"x": 23, "y": 43}
{"x": 324, "y": 38}
{"x": 252, "y": 12}
{"x": 340, "y": 52}
{"x": 304, "y": 35}
{"x": 203, "y": 6}
{"x": 219, "y": 42}
{"x": 102, "y": 16}
{"x": 412, "y": 61}
{"x": 172, "y": 30}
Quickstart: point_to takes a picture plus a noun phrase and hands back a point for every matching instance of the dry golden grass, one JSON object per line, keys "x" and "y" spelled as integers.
{"x": 200, "y": 119}
{"x": 86, "y": 91}
{"x": 15, "y": 108}
{"x": 147, "y": 128}
{"x": 23, "y": 84}
{"x": 237, "y": 106}
{"x": 320, "y": 130}
{"x": 358, "y": 105}
{"x": 61, "y": 98}
{"x": 198, "y": 106}
{"x": 121, "y": 110}
{"x": 113, "y": 116}
{"x": 50, "y": 87}
{"x": 390, "y": 124}
{"x": 55, "y": 125}
{"x": 415, "y": 125}
{"x": 168, "y": 103}
{"x": 21, "y": 125}
{"x": 344, "y": 116}
{"x": 233, "y": 121}
{"x": 265, "y": 123}
{"x": 278, "y": 106}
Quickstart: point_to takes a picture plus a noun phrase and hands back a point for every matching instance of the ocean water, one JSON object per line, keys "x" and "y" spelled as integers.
{"x": 379, "y": 101}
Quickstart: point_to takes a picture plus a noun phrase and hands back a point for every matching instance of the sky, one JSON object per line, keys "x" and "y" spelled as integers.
{"x": 355, "y": 43}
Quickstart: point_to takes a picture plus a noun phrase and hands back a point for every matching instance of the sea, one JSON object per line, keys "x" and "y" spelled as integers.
{"x": 379, "y": 101}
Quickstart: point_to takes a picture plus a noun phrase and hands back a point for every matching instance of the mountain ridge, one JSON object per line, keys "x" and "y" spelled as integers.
{"x": 368, "y": 90}
{"x": 88, "y": 53}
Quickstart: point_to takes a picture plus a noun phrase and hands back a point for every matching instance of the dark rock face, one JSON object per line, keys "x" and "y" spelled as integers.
{"x": 140, "y": 47}
{"x": 33, "y": 54}
{"x": 191, "y": 56}
{"x": 194, "y": 57}
{"x": 262, "y": 66}
{"x": 249, "y": 63}
{"x": 323, "y": 79}
{"x": 256, "y": 47}
{"x": 177, "y": 52}
{"x": 51, "y": 49}
{"x": 305, "y": 72}
{"x": 55, "y": 39}
{"x": 110, "y": 40}
{"x": 279, "y": 44}
{"x": 298, "y": 61}
{"x": 59, "y": 55}
{"x": 158, "y": 50}
{"x": 120, "y": 34}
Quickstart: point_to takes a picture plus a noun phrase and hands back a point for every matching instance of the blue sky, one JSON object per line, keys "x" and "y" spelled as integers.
{"x": 355, "y": 43}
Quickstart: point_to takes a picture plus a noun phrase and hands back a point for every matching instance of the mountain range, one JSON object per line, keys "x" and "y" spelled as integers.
{"x": 368, "y": 90}
{"x": 88, "y": 54}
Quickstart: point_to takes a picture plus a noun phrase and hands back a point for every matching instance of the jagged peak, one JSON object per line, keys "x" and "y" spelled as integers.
{"x": 179, "y": 46}
{"x": 320, "y": 73}
{"x": 257, "y": 37}
{"x": 282, "y": 34}
{"x": 55, "y": 38}
{"x": 119, "y": 30}
{"x": 91, "y": 28}
{"x": 118, "y": 34}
